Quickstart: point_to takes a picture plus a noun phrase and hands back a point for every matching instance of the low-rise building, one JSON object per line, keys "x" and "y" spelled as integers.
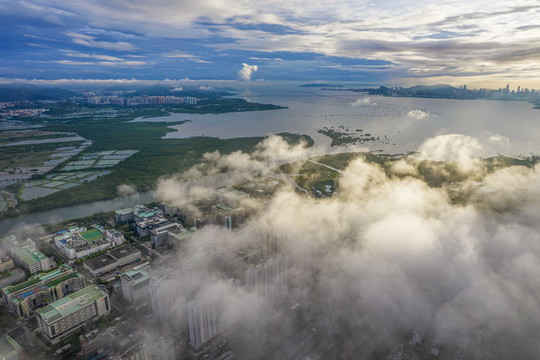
{"x": 144, "y": 227}
{"x": 136, "y": 285}
{"x": 112, "y": 259}
{"x": 6, "y": 263}
{"x": 41, "y": 289}
{"x": 168, "y": 234}
{"x": 31, "y": 258}
{"x": 79, "y": 242}
{"x": 63, "y": 317}
{"x": 10, "y": 350}
{"x": 145, "y": 219}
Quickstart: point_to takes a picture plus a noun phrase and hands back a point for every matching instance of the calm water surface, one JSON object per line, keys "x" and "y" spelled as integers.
{"x": 407, "y": 122}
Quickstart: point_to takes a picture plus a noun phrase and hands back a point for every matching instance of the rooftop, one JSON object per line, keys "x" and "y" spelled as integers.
{"x": 136, "y": 276}
{"x": 30, "y": 255}
{"x": 92, "y": 235}
{"x": 8, "y": 347}
{"x": 70, "y": 304}
{"x": 51, "y": 276}
{"x": 100, "y": 262}
{"x": 123, "y": 251}
{"x": 124, "y": 211}
{"x": 223, "y": 207}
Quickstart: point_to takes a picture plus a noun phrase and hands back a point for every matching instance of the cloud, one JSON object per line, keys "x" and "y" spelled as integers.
{"x": 90, "y": 41}
{"x": 99, "y": 63}
{"x": 385, "y": 254}
{"x": 126, "y": 190}
{"x": 418, "y": 114}
{"x": 91, "y": 56}
{"x": 247, "y": 71}
{"x": 364, "y": 101}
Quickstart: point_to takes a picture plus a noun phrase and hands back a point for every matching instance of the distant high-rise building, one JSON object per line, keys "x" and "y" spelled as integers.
{"x": 267, "y": 278}
{"x": 204, "y": 322}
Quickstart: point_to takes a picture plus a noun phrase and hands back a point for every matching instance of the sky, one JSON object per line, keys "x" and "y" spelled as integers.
{"x": 478, "y": 43}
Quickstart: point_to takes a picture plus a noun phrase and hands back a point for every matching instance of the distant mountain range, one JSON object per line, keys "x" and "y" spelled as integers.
{"x": 9, "y": 93}
{"x": 160, "y": 90}
{"x": 318, "y": 85}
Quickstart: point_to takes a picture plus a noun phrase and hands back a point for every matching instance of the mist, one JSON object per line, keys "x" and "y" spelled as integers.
{"x": 355, "y": 274}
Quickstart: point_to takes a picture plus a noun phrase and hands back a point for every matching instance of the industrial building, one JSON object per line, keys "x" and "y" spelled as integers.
{"x": 145, "y": 219}
{"x": 30, "y": 258}
{"x": 79, "y": 242}
{"x": 112, "y": 259}
{"x": 136, "y": 284}
{"x": 42, "y": 289}
{"x": 168, "y": 235}
{"x": 6, "y": 263}
{"x": 63, "y": 317}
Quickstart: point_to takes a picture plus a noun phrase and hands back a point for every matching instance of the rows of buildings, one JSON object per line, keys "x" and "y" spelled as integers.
{"x": 24, "y": 254}
{"x": 41, "y": 289}
{"x": 141, "y": 100}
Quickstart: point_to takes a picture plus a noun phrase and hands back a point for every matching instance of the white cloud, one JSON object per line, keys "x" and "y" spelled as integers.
{"x": 90, "y": 41}
{"x": 247, "y": 71}
{"x": 364, "y": 101}
{"x": 91, "y": 56}
{"x": 418, "y": 114}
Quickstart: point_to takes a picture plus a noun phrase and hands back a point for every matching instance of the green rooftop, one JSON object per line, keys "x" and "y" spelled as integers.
{"x": 70, "y": 304}
{"x": 10, "y": 289}
{"x": 223, "y": 207}
{"x": 30, "y": 255}
{"x": 8, "y": 347}
{"x": 92, "y": 235}
{"x": 138, "y": 276}
{"x": 124, "y": 211}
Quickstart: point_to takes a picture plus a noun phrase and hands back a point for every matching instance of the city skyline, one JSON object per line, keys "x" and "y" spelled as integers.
{"x": 482, "y": 44}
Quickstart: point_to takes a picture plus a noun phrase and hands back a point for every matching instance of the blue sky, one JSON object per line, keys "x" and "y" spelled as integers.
{"x": 483, "y": 43}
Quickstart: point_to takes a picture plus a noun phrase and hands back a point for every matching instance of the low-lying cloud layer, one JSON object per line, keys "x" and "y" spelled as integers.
{"x": 383, "y": 255}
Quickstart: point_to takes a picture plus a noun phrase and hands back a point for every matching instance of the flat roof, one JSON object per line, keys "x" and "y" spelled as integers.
{"x": 92, "y": 235}
{"x": 124, "y": 211}
{"x": 99, "y": 262}
{"x": 8, "y": 347}
{"x": 223, "y": 207}
{"x": 30, "y": 256}
{"x": 123, "y": 251}
{"x": 136, "y": 276}
{"x": 166, "y": 227}
{"x": 63, "y": 269}
{"x": 70, "y": 304}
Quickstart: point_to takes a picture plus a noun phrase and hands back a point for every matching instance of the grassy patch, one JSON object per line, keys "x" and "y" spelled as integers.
{"x": 156, "y": 157}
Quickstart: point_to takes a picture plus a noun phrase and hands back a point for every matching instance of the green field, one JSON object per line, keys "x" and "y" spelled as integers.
{"x": 92, "y": 235}
{"x": 155, "y": 156}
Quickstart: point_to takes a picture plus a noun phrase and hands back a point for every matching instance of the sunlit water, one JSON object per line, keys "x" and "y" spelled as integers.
{"x": 505, "y": 127}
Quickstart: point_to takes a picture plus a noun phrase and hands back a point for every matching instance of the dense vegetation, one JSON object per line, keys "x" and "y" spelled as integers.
{"x": 441, "y": 174}
{"x": 156, "y": 157}
{"x": 32, "y": 93}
